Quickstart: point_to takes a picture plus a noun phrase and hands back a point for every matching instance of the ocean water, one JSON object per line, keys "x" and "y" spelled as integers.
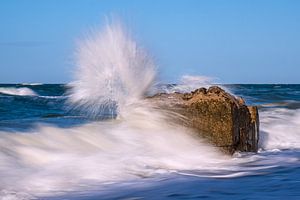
{"x": 97, "y": 137}
{"x": 50, "y": 151}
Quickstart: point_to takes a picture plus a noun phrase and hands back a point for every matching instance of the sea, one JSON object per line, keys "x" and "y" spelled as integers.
{"x": 52, "y": 150}
{"x": 98, "y": 137}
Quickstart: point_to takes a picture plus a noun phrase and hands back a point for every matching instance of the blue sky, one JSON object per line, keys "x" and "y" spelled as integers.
{"x": 249, "y": 41}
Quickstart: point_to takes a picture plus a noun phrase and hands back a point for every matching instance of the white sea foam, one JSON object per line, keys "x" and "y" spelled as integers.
{"x": 22, "y": 91}
{"x": 53, "y": 97}
{"x": 142, "y": 144}
{"x": 31, "y": 83}
{"x": 280, "y": 128}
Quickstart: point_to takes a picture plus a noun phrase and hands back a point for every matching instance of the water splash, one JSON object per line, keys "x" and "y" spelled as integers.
{"x": 280, "y": 129}
{"x": 143, "y": 144}
{"x": 187, "y": 83}
{"x": 112, "y": 72}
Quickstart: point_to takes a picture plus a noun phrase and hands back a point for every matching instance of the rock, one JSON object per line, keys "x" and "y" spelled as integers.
{"x": 226, "y": 121}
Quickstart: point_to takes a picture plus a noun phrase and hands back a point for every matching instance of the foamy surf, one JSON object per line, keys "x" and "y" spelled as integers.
{"x": 51, "y": 161}
{"x": 280, "y": 129}
{"x": 143, "y": 144}
{"x": 32, "y": 84}
{"x": 22, "y": 91}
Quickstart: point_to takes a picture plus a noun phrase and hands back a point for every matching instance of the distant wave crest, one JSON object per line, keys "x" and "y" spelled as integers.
{"x": 32, "y": 84}
{"x": 22, "y": 91}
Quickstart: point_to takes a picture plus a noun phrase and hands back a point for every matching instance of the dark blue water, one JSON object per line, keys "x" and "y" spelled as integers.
{"x": 21, "y": 112}
{"x": 272, "y": 173}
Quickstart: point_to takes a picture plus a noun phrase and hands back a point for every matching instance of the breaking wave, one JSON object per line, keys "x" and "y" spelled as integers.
{"x": 22, "y": 91}
{"x": 113, "y": 72}
{"x": 50, "y": 159}
{"x": 32, "y": 84}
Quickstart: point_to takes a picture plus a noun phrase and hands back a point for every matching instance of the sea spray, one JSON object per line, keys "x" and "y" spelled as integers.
{"x": 187, "y": 83}
{"x": 280, "y": 129}
{"x": 48, "y": 160}
{"x": 112, "y": 71}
